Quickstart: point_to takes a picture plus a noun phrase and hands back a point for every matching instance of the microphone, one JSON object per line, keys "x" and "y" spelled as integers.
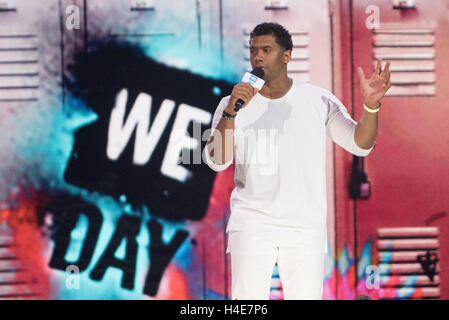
{"x": 255, "y": 79}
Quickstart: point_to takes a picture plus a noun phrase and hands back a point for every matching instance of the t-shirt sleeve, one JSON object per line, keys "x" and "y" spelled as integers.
{"x": 215, "y": 120}
{"x": 340, "y": 127}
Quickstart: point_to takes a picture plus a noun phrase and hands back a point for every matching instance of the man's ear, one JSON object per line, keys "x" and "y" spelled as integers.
{"x": 287, "y": 56}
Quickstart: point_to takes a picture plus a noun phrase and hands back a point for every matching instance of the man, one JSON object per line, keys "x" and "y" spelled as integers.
{"x": 277, "y": 139}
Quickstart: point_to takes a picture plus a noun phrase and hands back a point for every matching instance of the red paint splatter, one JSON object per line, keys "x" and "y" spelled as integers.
{"x": 28, "y": 246}
{"x": 173, "y": 285}
{"x": 211, "y": 240}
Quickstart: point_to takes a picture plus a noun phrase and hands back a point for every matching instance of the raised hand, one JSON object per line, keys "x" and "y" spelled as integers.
{"x": 375, "y": 88}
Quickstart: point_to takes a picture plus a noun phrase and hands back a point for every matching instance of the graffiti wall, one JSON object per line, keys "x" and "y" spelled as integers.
{"x": 95, "y": 203}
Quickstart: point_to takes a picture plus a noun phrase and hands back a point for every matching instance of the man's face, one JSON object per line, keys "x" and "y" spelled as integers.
{"x": 270, "y": 56}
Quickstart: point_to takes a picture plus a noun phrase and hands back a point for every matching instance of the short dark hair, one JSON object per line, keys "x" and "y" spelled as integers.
{"x": 283, "y": 37}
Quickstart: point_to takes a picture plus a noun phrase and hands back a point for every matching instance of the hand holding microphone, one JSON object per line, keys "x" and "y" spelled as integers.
{"x": 243, "y": 93}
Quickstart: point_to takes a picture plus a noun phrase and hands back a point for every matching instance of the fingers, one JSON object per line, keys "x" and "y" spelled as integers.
{"x": 387, "y": 76}
{"x": 386, "y": 73}
{"x": 243, "y": 91}
{"x": 386, "y": 69}
{"x": 378, "y": 67}
{"x": 249, "y": 91}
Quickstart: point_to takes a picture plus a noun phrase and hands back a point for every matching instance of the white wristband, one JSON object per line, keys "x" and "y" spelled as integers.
{"x": 372, "y": 110}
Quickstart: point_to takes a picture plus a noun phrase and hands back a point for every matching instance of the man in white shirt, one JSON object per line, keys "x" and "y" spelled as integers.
{"x": 277, "y": 140}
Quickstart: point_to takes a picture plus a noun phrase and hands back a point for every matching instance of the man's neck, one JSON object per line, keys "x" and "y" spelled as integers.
{"x": 276, "y": 88}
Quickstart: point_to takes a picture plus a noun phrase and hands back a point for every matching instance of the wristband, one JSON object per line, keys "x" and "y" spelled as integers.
{"x": 372, "y": 110}
{"x": 229, "y": 116}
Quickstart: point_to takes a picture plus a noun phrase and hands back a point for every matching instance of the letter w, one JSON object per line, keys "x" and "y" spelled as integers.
{"x": 120, "y": 131}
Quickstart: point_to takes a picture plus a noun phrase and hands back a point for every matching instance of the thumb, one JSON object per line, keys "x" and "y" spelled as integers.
{"x": 361, "y": 74}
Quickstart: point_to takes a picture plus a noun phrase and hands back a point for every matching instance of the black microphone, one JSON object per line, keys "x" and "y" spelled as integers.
{"x": 254, "y": 78}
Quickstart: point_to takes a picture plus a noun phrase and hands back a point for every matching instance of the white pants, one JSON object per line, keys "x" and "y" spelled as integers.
{"x": 299, "y": 255}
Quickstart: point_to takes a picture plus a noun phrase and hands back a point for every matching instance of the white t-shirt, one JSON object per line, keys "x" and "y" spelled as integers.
{"x": 280, "y": 149}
